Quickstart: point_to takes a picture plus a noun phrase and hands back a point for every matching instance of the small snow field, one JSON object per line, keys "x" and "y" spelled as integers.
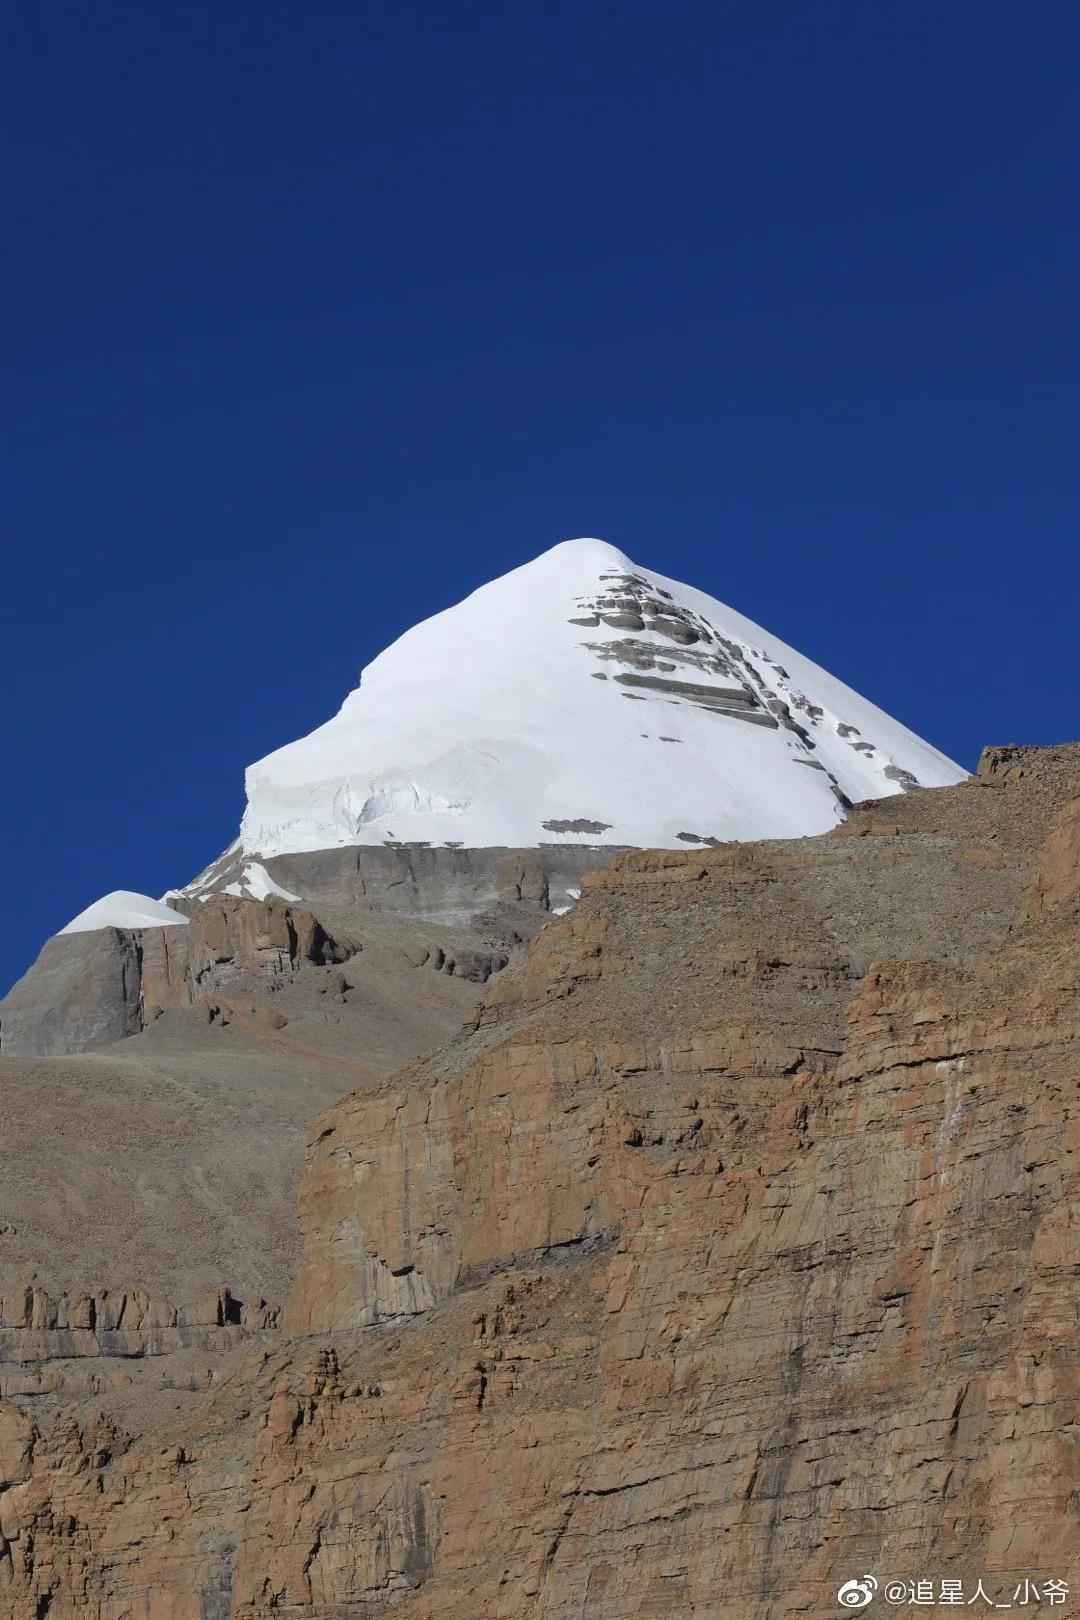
{"x": 124, "y": 909}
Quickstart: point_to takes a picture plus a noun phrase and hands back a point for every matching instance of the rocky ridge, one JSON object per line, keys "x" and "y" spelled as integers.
{"x": 632, "y": 1304}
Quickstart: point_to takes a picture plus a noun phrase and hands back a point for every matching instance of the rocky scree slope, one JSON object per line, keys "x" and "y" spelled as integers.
{"x": 147, "y": 1206}
{"x": 640, "y": 1305}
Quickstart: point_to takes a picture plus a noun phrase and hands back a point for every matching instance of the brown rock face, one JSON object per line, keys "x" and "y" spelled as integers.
{"x": 732, "y": 1254}
{"x": 231, "y": 944}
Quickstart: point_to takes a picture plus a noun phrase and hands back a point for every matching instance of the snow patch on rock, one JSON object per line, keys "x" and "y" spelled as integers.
{"x": 255, "y": 883}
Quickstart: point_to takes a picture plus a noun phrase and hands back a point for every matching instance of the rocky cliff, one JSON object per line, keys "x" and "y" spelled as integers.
{"x": 728, "y": 1254}
{"x": 90, "y": 989}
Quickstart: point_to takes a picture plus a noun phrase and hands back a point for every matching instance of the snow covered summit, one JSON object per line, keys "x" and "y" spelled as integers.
{"x": 124, "y": 909}
{"x": 582, "y": 698}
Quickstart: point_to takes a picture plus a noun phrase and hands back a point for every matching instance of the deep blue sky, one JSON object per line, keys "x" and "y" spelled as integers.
{"x": 317, "y": 317}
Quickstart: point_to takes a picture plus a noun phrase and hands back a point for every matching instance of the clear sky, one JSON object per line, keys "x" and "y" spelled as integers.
{"x": 316, "y": 317}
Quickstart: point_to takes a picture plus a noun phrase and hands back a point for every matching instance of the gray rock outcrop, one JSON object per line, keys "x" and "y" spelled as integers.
{"x": 83, "y": 991}
{"x": 87, "y": 990}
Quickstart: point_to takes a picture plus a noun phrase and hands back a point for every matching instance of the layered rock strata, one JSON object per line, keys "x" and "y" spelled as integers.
{"x": 728, "y": 1256}
{"x": 451, "y": 886}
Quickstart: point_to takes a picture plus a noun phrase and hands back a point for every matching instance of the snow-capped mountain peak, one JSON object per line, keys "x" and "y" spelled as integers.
{"x": 583, "y": 698}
